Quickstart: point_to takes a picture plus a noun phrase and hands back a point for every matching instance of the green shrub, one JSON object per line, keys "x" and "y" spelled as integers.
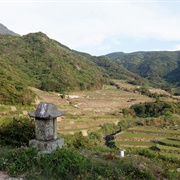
{"x": 14, "y": 92}
{"x": 18, "y": 132}
{"x": 18, "y": 161}
{"x": 147, "y": 153}
{"x": 155, "y": 109}
{"x": 144, "y": 91}
{"x": 126, "y": 123}
{"x": 95, "y": 136}
{"x": 127, "y": 112}
{"x": 63, "y": 164}
{"x": 78, "y": 141}
{"x": 70, "y": 164}
{"x": 109, "y": 128}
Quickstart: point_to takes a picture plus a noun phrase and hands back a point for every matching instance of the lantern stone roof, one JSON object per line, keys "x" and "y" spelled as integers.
{"x": 46, "y": 111}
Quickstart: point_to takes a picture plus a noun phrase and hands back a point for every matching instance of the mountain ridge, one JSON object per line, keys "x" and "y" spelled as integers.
{"x": 159, "y": 67}
{"x": 38, "y": 61}
{"x": 5, "y": 30}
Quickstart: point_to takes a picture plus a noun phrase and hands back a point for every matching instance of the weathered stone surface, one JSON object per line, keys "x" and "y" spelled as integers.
{"x": 46, "y": 130}
{"x": 46, "y": 147}
{"x": 46, "y": 111}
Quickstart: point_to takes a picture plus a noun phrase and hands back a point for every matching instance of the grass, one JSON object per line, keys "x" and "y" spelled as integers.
{"x": 4, "y": 108}
{"x": 164, "y": 139}
{"x": 134, "y": 143}
{"x": 170, "y": 142}
{"x": 137, "y": 135}
{"x": 76, "y": 129}
{"x": 171, "y": 155}
{"x": 6, "y": 120}
{"x": 154, "y": 130}
{"x": 174, "y": 139}
{"x": 168, "y": 148}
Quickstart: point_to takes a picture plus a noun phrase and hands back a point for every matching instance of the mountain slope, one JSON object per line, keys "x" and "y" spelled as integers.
{"x": 5, "y": 30}
{"x": 38, "y": 61}
{"x": 159, "y": 67}
{"x": 116, "y": 71}
{"x": 41, "y": 62}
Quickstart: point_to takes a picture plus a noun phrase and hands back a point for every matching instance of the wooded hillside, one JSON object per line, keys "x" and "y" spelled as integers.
{"x": 161, "y": 68}
{"x": 38, "y": 61}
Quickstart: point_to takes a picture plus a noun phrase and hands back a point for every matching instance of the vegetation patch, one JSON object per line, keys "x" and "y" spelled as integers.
{"x": 155, "y": 109}
{"x": 18, "y": 132}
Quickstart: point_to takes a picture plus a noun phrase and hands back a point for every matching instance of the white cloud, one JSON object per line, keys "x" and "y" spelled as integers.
{"x": 81, "y": 25}
{"x": 175, "y": 48}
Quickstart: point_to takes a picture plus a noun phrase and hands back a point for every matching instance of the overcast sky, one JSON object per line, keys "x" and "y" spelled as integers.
{"x": 98, "y": 27}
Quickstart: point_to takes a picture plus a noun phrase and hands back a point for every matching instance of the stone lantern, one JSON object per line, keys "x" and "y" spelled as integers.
{"x": 46, "y": 128}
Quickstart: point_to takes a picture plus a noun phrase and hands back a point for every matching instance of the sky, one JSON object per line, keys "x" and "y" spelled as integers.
{"x": 98, "y": 27}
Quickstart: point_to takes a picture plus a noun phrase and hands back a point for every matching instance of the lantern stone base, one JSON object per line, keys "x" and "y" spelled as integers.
{"x": 46, "y": 147}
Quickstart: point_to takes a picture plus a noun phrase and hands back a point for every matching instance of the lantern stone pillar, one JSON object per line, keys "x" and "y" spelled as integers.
{"x": 46, "y": 128}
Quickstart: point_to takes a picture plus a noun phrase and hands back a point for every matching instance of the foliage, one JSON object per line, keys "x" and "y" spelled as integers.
{"x": 78, "y": 141}
{"x": 154, "y": 154}
{"x": 115, "y": 71}
{"x": 15, "y": 92}
{"x": 127, "y": 112}
{"x": 18, "y": 132}
{"x": 155, "y": 109}
{"x": 35, "y": 60}
{"x": 109, "y": 128}
{"x": 144, "y": 91}
{"x": 17, "y": 161}
{"x": 66, "y": 164}
{"x": 62, "y": 164}
{"x": 70, "y": 164}
{"x": 147, "y": 64}
{"x": 126, "y": 123}
{"x": 165, "y": 121}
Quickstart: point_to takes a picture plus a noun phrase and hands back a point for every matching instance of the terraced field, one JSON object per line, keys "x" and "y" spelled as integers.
{"x": 7, "y": 112}
{"x": 166, "y": 141}
{"x": 88, "y": 110}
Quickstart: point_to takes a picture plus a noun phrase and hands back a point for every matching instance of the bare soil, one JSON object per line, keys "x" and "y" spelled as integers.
{"x": 5, "y": 176}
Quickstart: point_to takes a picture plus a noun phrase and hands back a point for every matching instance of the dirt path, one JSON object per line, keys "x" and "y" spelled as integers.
{"x": 4, "y": 176}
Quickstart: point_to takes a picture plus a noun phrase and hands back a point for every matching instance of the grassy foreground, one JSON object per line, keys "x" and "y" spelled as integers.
{"x": 85, "y": 157}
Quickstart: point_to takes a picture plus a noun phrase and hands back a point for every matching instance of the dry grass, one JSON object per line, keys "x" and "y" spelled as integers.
{"x": 87, "y": 110}
{"x": 92, "y": 108}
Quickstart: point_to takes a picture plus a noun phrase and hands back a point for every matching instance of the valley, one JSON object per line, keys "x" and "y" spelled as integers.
{"x": 119, "y": 101}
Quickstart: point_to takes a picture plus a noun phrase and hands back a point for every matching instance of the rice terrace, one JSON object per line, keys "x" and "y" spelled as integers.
{"x": 122, "y": 112}
{"x": 87, "y": 112}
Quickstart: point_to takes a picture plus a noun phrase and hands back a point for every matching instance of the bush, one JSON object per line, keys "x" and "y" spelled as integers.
{"x": 109, "y": 128}
{"x": 18, "y": 132}
{"x": 14, "y": 92}
{"x": 63, "y": 164}
{"x": 147, "y": 153}
{"x": 95, "y": 136}
{"x": 144, "y": 91}
{"x": 70, "y": 164}
{"x": 66, "y": 164}
{"x": 125, "y": 123}
{"x": 18, "y": 161}
{"x": 155, "y": 109}
{"x": 128, "y": 112}
{"x": 78, "y": 141}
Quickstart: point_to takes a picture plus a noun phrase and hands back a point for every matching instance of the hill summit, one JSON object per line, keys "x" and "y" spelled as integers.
{"x": 41, "y": 62}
